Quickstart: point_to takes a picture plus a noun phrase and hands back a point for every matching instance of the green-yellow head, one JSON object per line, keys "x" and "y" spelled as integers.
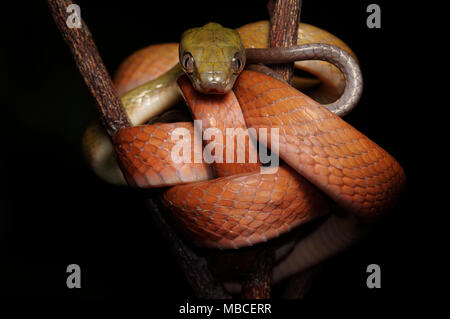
{"x": 212, "y": 56}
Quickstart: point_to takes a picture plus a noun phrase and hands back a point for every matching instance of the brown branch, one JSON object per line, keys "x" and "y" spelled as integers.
{"x": 257, "y": 284}
{"x": 91, "y": 67}
{"x": 284, "y": 21}
{"x": 114, "y": 118}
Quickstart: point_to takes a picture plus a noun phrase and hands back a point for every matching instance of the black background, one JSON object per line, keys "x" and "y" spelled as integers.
{"x": 55, "y": 212}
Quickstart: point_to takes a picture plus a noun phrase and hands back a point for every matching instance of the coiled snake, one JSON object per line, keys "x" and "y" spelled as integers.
{"x": 232, "y": 205}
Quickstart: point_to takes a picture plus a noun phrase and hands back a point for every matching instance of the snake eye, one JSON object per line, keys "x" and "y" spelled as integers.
{"x": 237, "y": 62}
{"x": 188, "y": 63}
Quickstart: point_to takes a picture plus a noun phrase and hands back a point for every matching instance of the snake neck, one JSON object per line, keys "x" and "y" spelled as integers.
{"x": 154, "y": 97}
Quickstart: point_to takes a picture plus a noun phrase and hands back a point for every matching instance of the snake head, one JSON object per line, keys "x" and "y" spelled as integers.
{"x": 213, "y": 57}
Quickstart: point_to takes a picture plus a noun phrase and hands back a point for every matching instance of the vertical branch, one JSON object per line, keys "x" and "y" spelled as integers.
{"x": 194, "y": 267}
{"x": 284, "y": 21}
{"x": 114, "y": 118}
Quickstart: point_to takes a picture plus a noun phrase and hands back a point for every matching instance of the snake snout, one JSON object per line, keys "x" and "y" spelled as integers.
{"x": 214, "y": 83}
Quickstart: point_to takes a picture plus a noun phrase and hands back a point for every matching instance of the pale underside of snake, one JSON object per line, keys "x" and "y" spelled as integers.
{"x": 229, "y": 205}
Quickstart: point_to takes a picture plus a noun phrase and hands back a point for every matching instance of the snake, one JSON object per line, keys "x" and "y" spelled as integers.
{"x": 221, "y": 75}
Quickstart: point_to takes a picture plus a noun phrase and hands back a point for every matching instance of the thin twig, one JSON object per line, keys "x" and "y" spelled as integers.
{"x": 114, "y": 118}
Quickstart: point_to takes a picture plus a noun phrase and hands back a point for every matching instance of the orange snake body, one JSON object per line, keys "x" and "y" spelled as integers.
{"x": 226, "y": 205}
{"x": 240, "y": 210}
